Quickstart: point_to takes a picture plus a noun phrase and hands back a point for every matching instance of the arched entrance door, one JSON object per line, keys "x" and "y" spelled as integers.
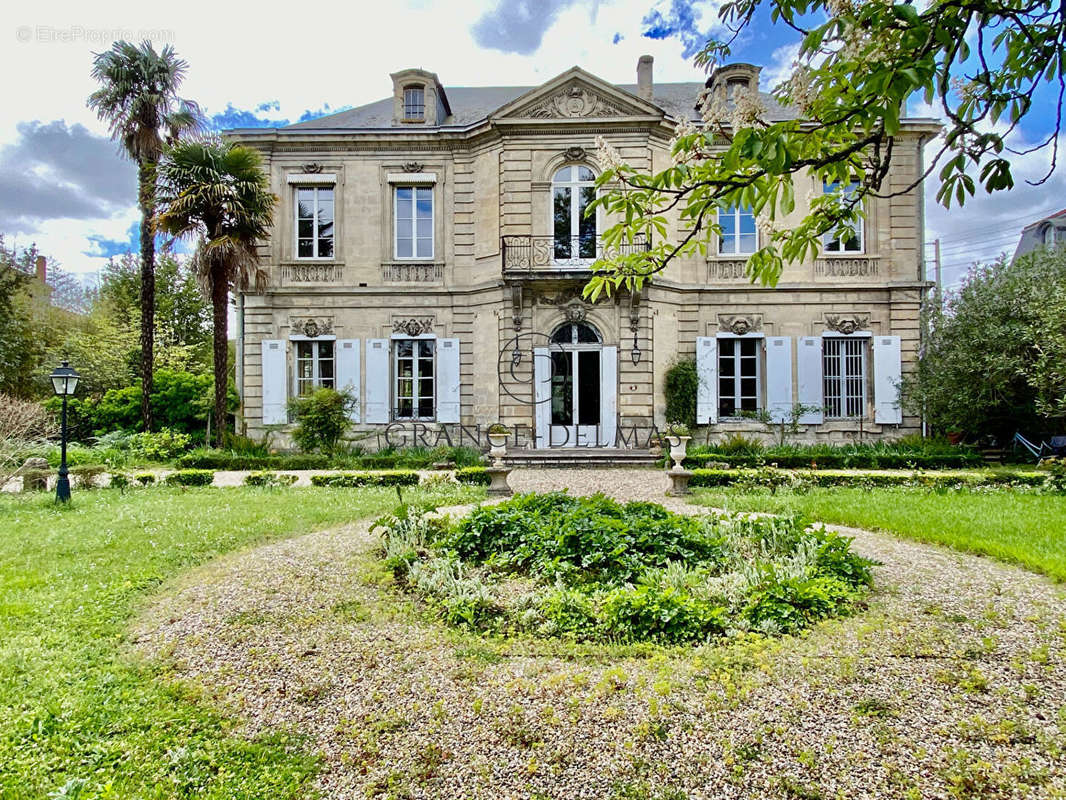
{"x": 576, "y": 380}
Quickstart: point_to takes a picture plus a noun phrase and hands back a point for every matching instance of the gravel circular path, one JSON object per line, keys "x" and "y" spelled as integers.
{"x": 951, "y": 685}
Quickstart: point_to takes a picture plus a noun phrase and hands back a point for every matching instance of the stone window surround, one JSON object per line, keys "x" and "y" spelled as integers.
{"x": 427, "y": 175}
{"x": 870, "y": 237}
{"x": 295, "y": 177}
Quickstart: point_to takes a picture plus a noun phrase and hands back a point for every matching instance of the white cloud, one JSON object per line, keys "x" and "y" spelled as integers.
{"x": 341, "y": 56}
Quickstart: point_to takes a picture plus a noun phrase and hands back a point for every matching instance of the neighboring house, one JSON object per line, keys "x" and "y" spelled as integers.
{"x": 1047, "y": 232}
{"x": 430, "y": 249}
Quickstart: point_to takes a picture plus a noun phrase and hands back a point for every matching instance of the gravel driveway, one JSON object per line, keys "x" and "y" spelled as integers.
{"x": 951, "y": 685}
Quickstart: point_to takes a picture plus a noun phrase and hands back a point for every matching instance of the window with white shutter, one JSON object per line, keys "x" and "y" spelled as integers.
{"x": 275, "y": 382}
{"x": 888, "y": 373}
{"x": 707, "y": 373}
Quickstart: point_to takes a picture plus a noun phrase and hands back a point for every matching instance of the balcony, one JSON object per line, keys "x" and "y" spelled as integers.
{"x": 551, "y": 256}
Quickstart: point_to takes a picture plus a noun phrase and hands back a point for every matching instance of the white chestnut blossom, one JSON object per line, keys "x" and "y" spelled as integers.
{"x": 765, "y": 225}
{"x": 799, "y": 88}
{"x": 747, "y": 108}
{"x": 606, "y": 156}
{"x": 713, "y": 110}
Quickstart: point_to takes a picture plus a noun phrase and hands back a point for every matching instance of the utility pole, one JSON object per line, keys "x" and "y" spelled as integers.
{"x": 938, "y": 291}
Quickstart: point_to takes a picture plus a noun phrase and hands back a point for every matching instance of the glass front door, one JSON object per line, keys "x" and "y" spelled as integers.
{"x": 575, "y": 387}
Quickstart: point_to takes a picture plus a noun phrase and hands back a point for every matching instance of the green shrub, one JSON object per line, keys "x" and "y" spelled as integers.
{"x": 680, "y": 387}
{"x": 269, "y": 479}
{"x": 180, "y": 402}
{"x": 145, "y": 478}
{"x": 591, "y": 569}
{"x": 476, "y": 476}
{"x": 660, "y": 614}
{"x": 163, "y": 445}
{"x": 787, "y": 604}
{"x": 191, "y": 477}
{"x": 579, "y": 540}
{"x": 773, "y": 479}
{"x": 119, "y": 481}
{"x": 321, "y": 419}
{"x": 741, "y": 451}
{"x": 86, "y": 476}
{"x": 35, "y": 480}
{"x": 354, "y": 479}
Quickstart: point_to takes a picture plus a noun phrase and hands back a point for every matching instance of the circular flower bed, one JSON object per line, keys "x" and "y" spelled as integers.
{"x": 591, "y": 569}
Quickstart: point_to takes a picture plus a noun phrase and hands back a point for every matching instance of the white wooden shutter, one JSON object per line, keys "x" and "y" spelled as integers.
{"x": 608, "y": 396}
{"x": 779, "y": 377}
{"x": 809, "y": 389}
{"x": 447, "y": 380}
{"x": 377, "y": 380}
{"x": 888, "y": 373}
{"x": 542, "y": 388}
{"x": 275, "y": 382}
{"x": 707, "y": 371}
{"x": 348, "y": 374}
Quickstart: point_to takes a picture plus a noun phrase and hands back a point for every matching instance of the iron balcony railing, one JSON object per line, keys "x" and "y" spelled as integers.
{"x": 560, "y": 252}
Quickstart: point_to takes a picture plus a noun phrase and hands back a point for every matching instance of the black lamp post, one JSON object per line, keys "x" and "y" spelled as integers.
{"x": 64, "y": 381}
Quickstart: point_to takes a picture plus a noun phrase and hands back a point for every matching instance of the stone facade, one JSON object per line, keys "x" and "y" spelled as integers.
{"x": 487, "y": 279}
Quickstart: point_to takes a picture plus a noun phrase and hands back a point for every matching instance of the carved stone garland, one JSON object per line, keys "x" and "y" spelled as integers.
{"x": 847, "y": 323}
{"x": 740, "y": 324}
{"x": 312, "y": 327}
{"x": 413, "y": 326}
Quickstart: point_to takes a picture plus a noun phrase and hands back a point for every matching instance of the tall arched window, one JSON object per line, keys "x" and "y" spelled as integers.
{"x": 573, "y": 189}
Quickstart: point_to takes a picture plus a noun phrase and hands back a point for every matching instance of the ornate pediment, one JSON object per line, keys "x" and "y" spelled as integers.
{"x": 576, "y": 95}
{"x": 571, "y": 102}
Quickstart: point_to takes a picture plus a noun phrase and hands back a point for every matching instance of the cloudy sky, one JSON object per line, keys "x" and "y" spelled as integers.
{"x": 63, "y": 185}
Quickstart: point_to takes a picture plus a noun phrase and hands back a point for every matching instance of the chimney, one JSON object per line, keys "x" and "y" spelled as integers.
{"x": 644, "y": 87}
{"x": 42, "y": 269}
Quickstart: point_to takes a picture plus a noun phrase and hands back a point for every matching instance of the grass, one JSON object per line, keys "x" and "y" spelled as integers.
{"x": 1025, "y": 529}
{"x": 80, "y": 717}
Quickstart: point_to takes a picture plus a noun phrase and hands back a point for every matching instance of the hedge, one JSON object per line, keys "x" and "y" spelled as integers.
{"x": 473, "y": 475}
{"x": 352, "y": 479}
{"x": 191, "y": 477}
{"x": 271, "y": 479}
{"x": 235, "y": 461}
{"x": 818, "y": 478}
{"x": 842, "y": 460}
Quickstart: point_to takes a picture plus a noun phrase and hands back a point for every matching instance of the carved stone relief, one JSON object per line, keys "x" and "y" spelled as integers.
{"x": 847, "y": 323}
{"x": 311, "y": 327}
{"x": 412, "y": 326}
{"x": 572, "y": 102}
{"x": 740, "y": 324}
{"x": 411, "y": 166}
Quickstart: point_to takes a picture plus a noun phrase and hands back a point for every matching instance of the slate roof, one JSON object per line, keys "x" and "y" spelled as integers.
{"x": 472, "y": 104}
{"x": 1033, "y": 233}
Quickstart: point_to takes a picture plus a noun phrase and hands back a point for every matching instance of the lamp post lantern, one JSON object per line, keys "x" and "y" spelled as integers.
{"x": 64, "y": 381}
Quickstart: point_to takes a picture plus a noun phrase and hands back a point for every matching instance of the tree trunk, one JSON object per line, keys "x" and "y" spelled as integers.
{"x": 146, "y": 200}
{"x": 220, "y": 309}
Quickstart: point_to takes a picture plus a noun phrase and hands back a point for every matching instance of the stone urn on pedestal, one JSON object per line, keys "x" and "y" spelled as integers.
{"x": 497, "y": 472}
{"x": 678, "y": 436}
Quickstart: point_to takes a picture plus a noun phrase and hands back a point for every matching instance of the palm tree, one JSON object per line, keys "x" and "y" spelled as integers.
{"x": 138, "y": 99}
{"x": 218, "y": 193}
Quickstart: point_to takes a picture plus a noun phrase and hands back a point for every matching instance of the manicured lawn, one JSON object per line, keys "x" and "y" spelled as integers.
{"x": 1027, "y": 529}
{"x": 74, "y": 707}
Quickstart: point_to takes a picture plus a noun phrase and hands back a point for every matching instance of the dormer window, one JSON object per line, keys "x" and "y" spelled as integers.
{"x": 414, "y": 103}
{"x": 737, "y": 83}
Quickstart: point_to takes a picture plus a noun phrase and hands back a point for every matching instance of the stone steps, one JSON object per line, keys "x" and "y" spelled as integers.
{"x": 579, "y": 457}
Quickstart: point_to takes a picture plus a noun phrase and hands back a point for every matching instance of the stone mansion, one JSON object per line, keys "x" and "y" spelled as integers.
{"x": 429, "y": 252}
